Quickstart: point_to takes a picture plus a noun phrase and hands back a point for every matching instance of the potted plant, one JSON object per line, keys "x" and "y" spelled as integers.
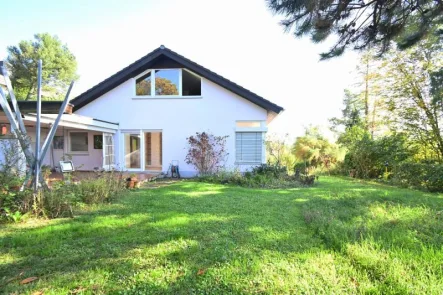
{"x": 131, "y": 181}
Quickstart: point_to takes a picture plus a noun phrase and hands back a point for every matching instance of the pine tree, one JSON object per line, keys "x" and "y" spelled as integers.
{"x": 360, "y": 24}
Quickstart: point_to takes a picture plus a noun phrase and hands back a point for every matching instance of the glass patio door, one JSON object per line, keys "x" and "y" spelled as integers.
{"x": 108, "y": 151}
{"x": 153, "y": 150}
{"x": 132, "y": 150}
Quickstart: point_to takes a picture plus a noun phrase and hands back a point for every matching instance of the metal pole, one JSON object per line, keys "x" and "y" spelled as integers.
{"x": 37, "y": 127}
{"x": 12, "y": 120}
{"x": 54, "y": 126}
{"x": 13, "y": 99}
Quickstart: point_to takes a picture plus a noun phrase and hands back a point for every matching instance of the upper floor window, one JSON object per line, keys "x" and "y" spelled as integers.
{"x": 168, "y": 82}
{"x": 143, "y": 85}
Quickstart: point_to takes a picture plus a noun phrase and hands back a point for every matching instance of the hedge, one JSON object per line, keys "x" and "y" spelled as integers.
{"x": 418, "y": 175}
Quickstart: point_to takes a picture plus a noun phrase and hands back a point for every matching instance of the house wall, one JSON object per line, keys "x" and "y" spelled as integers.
{"x": 217, "y": 111}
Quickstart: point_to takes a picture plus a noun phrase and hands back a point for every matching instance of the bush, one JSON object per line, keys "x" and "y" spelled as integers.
{"x": 270, "y": 170}
{"x": 100, "y": 190}
{"x": 263, "y": 176}
{"x": 419, "y": 175}
{"x": 58, "y": 201}
{"x": 367, "y": 157}
{"x": 206, "y": 152}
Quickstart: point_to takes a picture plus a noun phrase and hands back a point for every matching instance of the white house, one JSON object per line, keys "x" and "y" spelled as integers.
{"x": 139, "y": 118}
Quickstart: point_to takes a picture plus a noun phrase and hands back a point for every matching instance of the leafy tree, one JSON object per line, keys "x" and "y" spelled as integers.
{"x": 316, "y": 151}
{"x": 364, "y": 107}
{"x": 59, "y": 66}
{"x": 279, "y": 151}
{"x": 414, "y": 94}
{"x": 360, "y": 24}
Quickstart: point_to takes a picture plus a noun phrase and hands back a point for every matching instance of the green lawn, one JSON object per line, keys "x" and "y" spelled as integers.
{"x": 340, "y": 236}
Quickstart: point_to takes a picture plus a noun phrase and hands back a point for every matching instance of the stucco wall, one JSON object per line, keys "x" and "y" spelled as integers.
{"x": 217, "y": 111}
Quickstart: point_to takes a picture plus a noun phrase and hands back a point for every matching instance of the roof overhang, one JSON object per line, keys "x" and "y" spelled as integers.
{"x": 76, "y": 121}
{"x": 48, "y": 107}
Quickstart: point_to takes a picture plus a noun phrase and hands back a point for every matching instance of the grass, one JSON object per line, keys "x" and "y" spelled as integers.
{"x": 341, "y": 236}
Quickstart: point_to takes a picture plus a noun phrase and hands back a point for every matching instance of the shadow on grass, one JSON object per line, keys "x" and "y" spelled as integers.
{"x": 191, "y": 230}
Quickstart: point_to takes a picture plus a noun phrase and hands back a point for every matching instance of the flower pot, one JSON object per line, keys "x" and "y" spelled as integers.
{"x": 131, "y": 182}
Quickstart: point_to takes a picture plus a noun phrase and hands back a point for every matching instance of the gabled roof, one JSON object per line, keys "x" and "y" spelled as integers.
{"x": 164, "y": 56}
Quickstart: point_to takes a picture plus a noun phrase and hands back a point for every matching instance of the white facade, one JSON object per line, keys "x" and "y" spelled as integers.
{"x": 145, "y": 128}
{"x": 217, "y": 110}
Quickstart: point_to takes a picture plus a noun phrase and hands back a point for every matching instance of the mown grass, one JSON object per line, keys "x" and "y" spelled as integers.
{"x": 341, "y": 236}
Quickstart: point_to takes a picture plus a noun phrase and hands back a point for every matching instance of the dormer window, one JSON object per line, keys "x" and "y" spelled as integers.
{"x": 168, "y": 83}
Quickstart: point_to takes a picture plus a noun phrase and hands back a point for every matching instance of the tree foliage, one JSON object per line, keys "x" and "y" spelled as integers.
{"x": 413, "y": 94}
{"x": 360, "y": 24}
{"x": 315, "y": 150}
{"x": 59, "y": 66}
{"x": 409, "y": 115}
{"x": 369, "y": 157}
{"x": 279, "y": 151}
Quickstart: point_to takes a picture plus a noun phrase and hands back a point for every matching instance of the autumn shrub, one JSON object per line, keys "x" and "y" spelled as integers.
{"x": 206, "y": 152}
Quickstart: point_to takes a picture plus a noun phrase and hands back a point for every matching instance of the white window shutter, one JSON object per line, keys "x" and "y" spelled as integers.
{"x": 248, "y": 147}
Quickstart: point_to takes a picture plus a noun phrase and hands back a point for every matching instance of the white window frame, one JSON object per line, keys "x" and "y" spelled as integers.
{"x": 154, "y": 96}
{"x": 69, "y": 143}
{"x": 106, "y": 149}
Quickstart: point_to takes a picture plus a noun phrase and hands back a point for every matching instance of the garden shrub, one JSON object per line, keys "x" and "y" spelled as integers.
{"x": 58, "y": 201}
{"x": 263, "y": 176}
{"x": 206, "y": 152}
{"x": 101, "y": 189}
{"x": 367, "y": 157}
{"x": 419, "y": 175}
{"x": 270, "y": 170}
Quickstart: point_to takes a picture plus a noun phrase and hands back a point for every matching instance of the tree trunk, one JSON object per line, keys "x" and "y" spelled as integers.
{"x": 31, "y": 89}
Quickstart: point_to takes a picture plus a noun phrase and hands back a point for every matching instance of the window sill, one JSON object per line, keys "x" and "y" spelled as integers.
{"x": 248, "y": 163}
{"x": 78, "y": 153}
{"x": 7, "y": 137}
{"x": 166, "y": 97}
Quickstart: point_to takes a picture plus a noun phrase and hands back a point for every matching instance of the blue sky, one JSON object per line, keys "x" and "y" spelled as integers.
{"x": 240, "y": 40}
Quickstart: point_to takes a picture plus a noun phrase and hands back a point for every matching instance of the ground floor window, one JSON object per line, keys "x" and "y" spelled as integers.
{"x": 98, "y": 142}
{"x": 58, "y": 142}
{"x": 78, "y": 141}
{"x": 249, "y": 147}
